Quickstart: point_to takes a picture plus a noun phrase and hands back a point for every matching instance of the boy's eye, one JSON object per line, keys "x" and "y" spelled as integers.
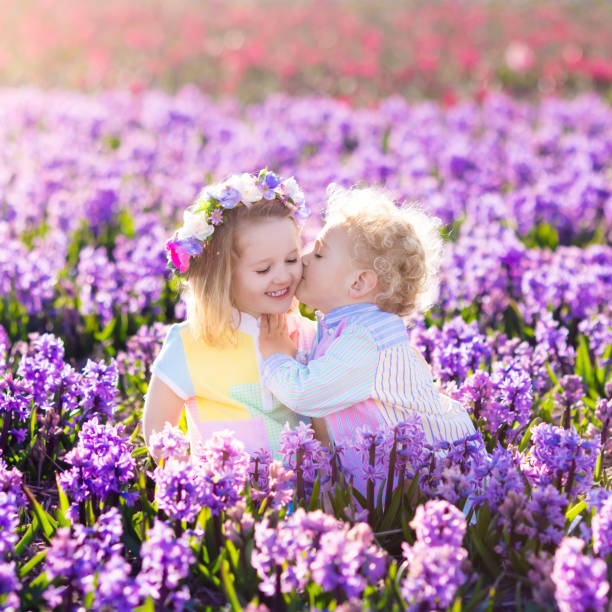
{"x": 317, "y": 255}
{"x": 263, "y": 271}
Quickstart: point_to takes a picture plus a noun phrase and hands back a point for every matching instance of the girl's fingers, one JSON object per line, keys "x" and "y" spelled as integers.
{"x": 276, "y": 322}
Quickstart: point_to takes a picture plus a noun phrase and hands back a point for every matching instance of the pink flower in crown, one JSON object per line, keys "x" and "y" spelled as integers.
{"x": 178, "y": 255}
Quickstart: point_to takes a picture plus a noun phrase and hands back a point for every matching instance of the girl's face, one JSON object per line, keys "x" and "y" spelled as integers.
{"x": 268, "y": 267}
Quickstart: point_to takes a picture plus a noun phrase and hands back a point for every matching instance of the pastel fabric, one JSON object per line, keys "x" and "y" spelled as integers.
{"x": 362, "y": 371}
{"x": 221, "y": 386}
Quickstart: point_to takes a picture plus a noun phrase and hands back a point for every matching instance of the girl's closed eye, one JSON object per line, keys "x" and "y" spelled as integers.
{"x": 263, "y": 271}
{"x": 292, "y": 260}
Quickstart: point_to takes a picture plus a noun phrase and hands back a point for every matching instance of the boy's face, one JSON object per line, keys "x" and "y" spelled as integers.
{"x": 328, "y": 271}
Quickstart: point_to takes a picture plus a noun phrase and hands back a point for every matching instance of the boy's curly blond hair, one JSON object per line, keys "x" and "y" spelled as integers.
{"x": 401, "y": 244}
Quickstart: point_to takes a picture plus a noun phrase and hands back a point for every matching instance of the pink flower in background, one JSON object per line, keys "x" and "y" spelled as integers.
{"x": 519, "y": 56}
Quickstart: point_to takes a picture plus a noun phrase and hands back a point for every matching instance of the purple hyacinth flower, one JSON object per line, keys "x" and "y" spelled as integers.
{"x": 166, "y": 560}
{"x": 437, "y": 523}
{"x": 9, "y": 585}
{"x": 580, "y": 581}
{"x": 169, "y": 442}
{"x": 432, "y": 576}
{"x": 602, "y": 529}
{"x": 561, "y": 455}
{"x": 180, "y": 490}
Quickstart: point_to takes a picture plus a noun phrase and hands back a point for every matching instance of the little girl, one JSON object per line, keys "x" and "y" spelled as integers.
{"x": 238, "y": 250}
{"x": 371, "y": 263}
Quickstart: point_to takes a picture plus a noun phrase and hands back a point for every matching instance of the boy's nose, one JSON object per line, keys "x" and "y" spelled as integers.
{"x": 306, "y": 258}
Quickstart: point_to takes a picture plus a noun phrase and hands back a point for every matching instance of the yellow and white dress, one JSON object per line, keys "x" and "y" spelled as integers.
{"x": 221, "y": 386}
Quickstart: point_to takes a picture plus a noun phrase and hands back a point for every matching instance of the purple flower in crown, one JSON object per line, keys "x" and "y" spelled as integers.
{"x": 268, "y": 181}
{"x": 226, "y": 195}
{"x": 216, "y": 216}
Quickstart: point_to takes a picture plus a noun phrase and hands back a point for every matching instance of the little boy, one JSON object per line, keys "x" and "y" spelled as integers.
{"x": 371, "y": 264}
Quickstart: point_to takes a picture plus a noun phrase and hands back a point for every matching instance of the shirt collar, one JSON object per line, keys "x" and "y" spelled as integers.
{"x": 333, "y": 317}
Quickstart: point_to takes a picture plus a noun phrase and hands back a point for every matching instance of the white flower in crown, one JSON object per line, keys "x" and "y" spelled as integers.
{"x": 247, "y": 186}
{"x": 195, "y": 225}
{"x": 292, "y": 189}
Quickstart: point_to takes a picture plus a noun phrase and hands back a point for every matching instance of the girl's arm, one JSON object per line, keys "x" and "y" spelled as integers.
{"x": 161, "y": 405}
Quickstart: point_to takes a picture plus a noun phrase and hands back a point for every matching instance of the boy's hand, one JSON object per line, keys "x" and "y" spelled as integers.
{"x": 274, "y": 336}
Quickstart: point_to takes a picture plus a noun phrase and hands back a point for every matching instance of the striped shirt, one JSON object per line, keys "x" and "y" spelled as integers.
{"x": 362, "y": 371}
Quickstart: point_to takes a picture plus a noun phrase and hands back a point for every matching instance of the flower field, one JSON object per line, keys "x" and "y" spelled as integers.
{"x": 351, "y": 49}
{"x": 91, "y": 186}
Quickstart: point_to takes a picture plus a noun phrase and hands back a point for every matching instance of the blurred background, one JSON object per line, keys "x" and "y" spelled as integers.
{"x": 358, "y": 51}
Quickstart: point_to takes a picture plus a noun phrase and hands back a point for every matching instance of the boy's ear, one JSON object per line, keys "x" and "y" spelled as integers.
{"x": 363, "y": 284}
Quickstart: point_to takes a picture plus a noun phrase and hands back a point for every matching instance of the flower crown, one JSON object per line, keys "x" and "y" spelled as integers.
{"x": 201, "y": 218}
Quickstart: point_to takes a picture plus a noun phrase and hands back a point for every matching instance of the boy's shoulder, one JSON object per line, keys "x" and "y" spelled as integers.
{"x": 385, "y": 328}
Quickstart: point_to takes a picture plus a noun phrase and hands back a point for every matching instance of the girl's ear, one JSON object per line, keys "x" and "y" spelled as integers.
{"x": 363, "y": 284}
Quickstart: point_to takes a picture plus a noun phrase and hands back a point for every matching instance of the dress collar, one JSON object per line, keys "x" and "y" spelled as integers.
{"x": 333, "y": 317}
{"x": 245, "y": 322}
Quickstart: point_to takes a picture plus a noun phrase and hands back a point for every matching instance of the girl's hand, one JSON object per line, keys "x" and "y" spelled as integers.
{"x": 274, "y": 336}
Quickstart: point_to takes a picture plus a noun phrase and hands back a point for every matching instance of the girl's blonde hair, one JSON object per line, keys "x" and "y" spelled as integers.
{"x": 401, "y": 244}
{"x": 209, "y": 279}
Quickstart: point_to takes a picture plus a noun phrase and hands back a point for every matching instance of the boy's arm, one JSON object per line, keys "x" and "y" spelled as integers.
{"x": 340, "y": 378}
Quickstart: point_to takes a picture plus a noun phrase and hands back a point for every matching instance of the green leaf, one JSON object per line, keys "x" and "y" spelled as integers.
{"x": 361, "y": 500}
{"x": 584, "y": 367}
{"x": 32, "y": 563}
{"x": 64, "y": 506}
{"x": 33, "y": 423}
{"x": 40, "y": 581}
{"x": 107, "y": 332}
{"x": 234, "y": 554}
{"x": 228, "y": 586}
{"x": 483, "y": 551}
{"x": 552, "y": 375}
{"x": 46, "y": 521}
{"x": 527, "y": 435}
{"x": 391, "y": 513}
{"x": 147, "y": 606}
{"x": 575, "y": 510}
{"x": 27, "y": 537}
{"x": 314, "y": 503}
